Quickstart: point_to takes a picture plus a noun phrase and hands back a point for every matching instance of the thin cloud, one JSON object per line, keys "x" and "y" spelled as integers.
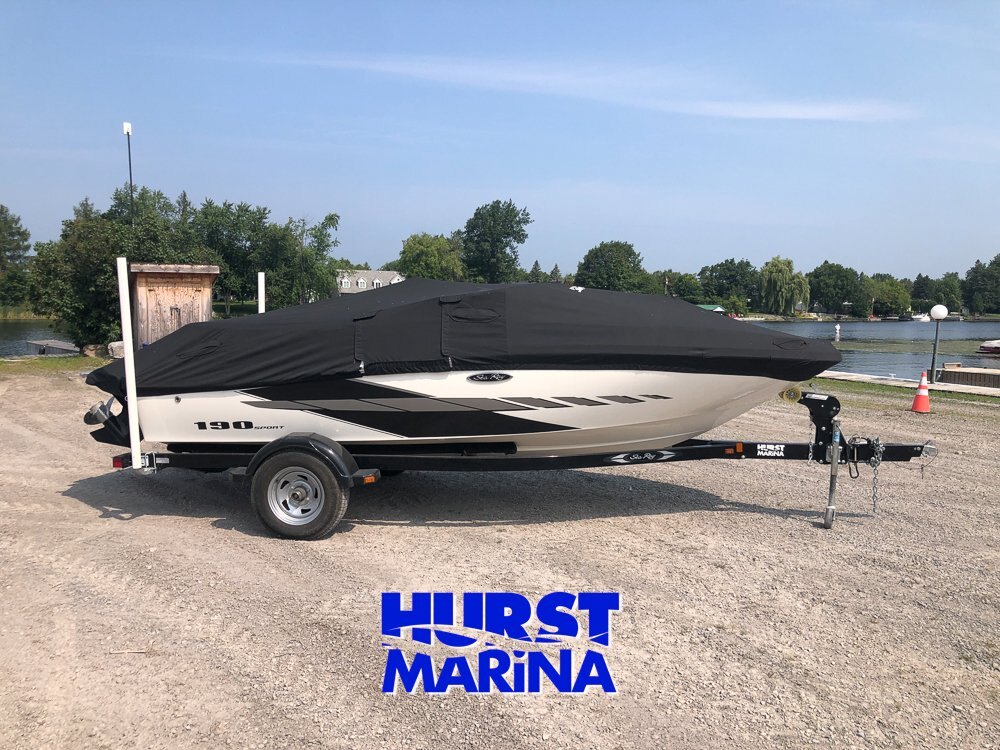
{"x": 660, "y": 89}
{"x": 964, "y": 144}
{"x": 62, "y": 154}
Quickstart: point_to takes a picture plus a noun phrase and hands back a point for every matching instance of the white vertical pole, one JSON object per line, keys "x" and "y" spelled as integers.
{"x": 260, "y": 292}
{"x": 130, "y": 393}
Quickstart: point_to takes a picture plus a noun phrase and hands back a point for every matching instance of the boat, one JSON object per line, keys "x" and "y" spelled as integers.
{"x": 991, "y": 348}
{"x": 432, "y": 367}
{"x": 923, "y": 318}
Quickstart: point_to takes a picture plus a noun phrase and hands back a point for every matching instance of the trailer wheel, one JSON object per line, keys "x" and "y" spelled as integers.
{"x": 296, "y": 495}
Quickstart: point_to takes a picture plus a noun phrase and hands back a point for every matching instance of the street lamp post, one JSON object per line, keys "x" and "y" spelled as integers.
{"x": 127, "y": 130}
{"x": 938, "y": 313}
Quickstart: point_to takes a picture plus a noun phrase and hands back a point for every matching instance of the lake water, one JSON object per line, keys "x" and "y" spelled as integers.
{"x": 13, "y": 334}
{"x": 882, "y": 345}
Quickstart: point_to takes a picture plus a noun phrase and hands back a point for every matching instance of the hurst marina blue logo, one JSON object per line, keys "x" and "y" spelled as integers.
{"x": 484, "y": 642}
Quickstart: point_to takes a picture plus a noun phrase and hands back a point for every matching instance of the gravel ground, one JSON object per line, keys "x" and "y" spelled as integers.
{"x": 154, "y": 611}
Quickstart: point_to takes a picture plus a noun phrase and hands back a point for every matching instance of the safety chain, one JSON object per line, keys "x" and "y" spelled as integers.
{"x": 876, "y": 460}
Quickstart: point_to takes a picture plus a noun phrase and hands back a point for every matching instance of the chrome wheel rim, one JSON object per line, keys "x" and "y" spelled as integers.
{"x": 295, "y": 496}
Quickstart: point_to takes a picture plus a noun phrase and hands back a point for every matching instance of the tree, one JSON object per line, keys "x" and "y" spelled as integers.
{"x": 981, "y": 288}
{"x": 555, "y": 274}
{"x": 800, "y": 291}
{"x": 430, "y": 256}
{"x": 74, "y": 277}
{"x": 14, "y": 287}
{"x": 923, "y": 287}
{"x": 612, "y": 265}
{"x": 737, "y": 304}
{"x": 299, "y": 259}
{"x": 948, "y": 291}
{"x": 686, "y": 286}
{"x": 890, "y": 296}
{"x": 731, "y": 278}
{"x": 14, "y": 247}
{"x": 235, "y": 233}
{"x": 14, "y": 240}
{"x": 490, "y": 241}
{"x": 832, "y": 285}
{"x": 781, "y": 287}
{"x": 536, "y": 275}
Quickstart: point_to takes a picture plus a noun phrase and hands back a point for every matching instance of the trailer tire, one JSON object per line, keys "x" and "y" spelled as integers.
{"x": 296, "y": 495}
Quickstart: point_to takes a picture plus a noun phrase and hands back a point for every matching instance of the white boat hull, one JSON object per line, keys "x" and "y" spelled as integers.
{"x": 542, "y": 412}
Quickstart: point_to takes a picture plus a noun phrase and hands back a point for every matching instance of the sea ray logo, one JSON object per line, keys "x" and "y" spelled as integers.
{"x": 489, "y": 377}
{"x": 641, "y": 457}
{"x": 498, "y": 642}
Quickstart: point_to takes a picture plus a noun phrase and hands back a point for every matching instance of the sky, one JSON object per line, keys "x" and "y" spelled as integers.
{"x": 865, "y": 133}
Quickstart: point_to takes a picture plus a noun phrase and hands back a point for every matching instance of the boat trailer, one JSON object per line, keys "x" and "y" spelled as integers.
{"x": 355, "y": 464}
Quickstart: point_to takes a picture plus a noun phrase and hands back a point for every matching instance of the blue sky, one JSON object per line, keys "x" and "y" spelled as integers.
{"x": 865, "y": 133}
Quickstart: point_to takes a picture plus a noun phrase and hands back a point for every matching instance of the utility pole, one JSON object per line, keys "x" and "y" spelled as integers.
{"x": 127, "y": 130}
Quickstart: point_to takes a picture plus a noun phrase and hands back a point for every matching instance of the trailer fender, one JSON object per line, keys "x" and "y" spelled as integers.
{"x": 332, "y": 453}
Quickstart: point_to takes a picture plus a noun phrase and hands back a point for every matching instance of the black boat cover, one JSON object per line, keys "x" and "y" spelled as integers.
{"x": 435, "y": 326}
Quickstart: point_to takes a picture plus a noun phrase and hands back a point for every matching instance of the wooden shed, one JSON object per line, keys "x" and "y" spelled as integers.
{"x": 166, "y": 297}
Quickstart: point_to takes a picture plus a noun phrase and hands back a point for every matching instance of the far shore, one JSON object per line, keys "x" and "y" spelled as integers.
{"x": 17, "y": 313}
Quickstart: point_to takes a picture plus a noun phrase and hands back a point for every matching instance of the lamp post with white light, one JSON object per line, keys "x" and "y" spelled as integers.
{"x": 127, "y": 130}
{"x": 938, "y": 313}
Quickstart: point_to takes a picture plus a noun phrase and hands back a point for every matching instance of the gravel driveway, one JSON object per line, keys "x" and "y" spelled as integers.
{"x": 155, "y": 612}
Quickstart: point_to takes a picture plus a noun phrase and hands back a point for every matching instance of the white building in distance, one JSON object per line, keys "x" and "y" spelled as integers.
{"x": 350, "y": 282}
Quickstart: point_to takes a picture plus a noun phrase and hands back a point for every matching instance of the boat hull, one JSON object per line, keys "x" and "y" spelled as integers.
{"x": 539, "y": 412}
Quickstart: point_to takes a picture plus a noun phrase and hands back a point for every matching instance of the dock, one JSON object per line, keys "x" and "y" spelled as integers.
{"x": 954, "y": 372}
{"x": 852, "y": 377}
{"x": 51, "y": 346}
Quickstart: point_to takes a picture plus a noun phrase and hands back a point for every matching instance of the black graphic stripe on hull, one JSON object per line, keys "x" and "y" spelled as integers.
{"x": 318, "y": 390}
{"x": 441, "y": 424}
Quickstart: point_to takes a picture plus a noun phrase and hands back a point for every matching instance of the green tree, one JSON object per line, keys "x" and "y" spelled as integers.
{"x": 430, "y": 256}
{"x": 686, "y": 286}
{"x": 14, "y": 240}
{"x": 781, "y": 287}
{"x": 731, "y": 278}
{"x": 981, "y": 288}
{"x": 490, "y": 240}
{"x": 890, "y": 296}
{"x": 307, "y": 264}
{"x": 233, "y": 232}
{"x": 948, "y": 291}
{"x": 923, "y": 287}
{"x": 536, "y": 275}
{"x": 74, "y": 278}
{"x": 612, "y": 265}
{"x": 14, "y": 286}
{"x": 555, "y": 274}
{"x": 832, "y": 285}
{"x": 737, "y": 304}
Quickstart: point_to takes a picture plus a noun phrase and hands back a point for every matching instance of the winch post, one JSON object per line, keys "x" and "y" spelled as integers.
{"x": 834, "y": 450}
{"x": 132, "y": 400}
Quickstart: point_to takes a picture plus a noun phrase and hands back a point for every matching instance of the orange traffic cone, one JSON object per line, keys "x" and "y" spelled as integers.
{"x": 922, "y": 401}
